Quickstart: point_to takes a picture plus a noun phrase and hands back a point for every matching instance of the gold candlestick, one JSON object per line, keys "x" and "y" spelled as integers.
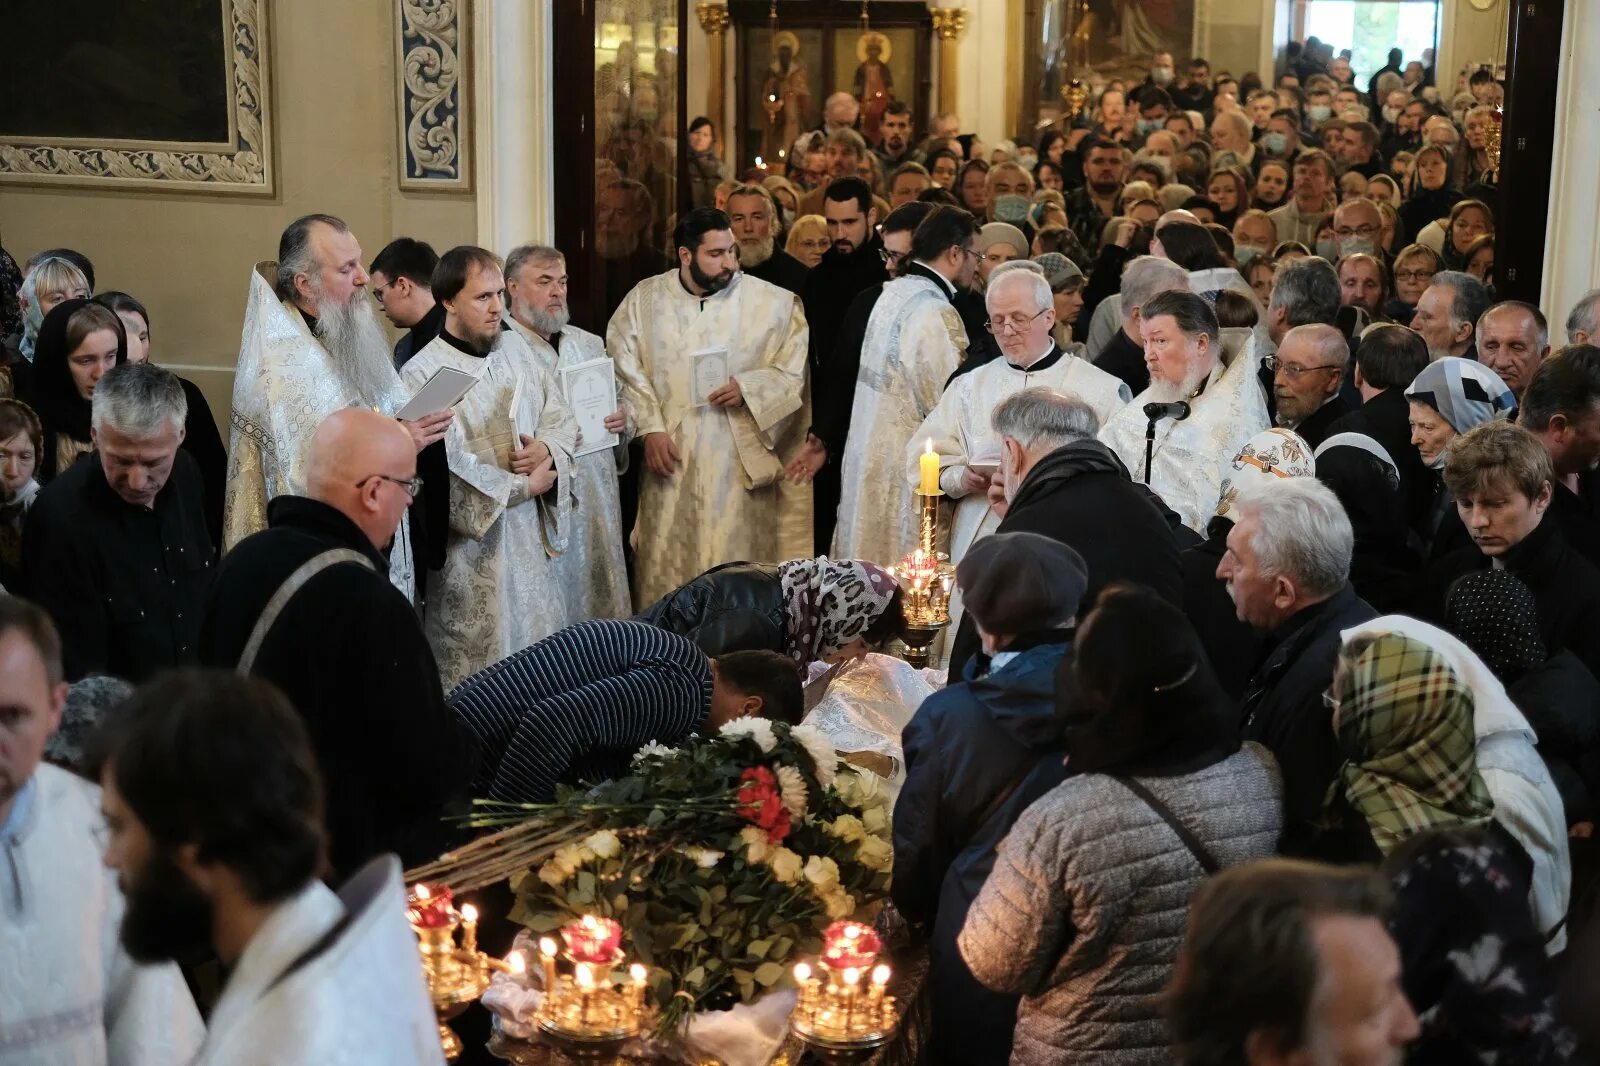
{"x": 925, "y": 577}
{"x": 456, "y": 976}
{"x": 833, "y": 1018}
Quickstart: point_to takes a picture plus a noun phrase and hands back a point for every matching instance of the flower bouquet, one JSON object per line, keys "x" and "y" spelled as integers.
{"x": 722, "y": 859}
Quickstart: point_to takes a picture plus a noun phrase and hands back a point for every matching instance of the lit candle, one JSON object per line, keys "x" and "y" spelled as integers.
{"x": 469, "y": 929}
{"x": 880, "y": 978}
{"x": 850, "y": 945}
{"x": 517, "y": 966}
{"x": 429, "y": 906}
{"x": 636, "y": 991}
{"x": 851, "y": 978}
{"x": 585, "y": 978}
{"x": 930, "y": 471}
{"x": 547, "y": 960}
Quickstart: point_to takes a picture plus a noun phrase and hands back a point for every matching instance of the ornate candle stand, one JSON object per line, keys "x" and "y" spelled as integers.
{"x": 844, "y": 1014}
{"x": 585, "y": 1014}
{"x": 456, "y": 976}
{"x": 925, "y": 576}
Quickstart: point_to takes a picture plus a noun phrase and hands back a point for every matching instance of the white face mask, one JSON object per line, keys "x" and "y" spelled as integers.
{"x": 1161, "y": 75}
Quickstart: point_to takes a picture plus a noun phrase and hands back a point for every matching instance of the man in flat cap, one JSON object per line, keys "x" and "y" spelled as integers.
{"x": 977, "y": 753}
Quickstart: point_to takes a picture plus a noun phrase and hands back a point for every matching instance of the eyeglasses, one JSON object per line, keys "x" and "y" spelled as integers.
{"x": 1358, "y": 231}
{"x": 1017, "y": 322}
{"x": 377, "y": 292}
{"x": 1413, "y": 275}
{"x": 890, "y": 258}
{"x": 1290, "y": 371}
{"x": 411, "y": 485}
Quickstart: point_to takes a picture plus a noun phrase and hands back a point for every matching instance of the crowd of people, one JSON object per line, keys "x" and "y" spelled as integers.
{"x": 1270, "y": 729}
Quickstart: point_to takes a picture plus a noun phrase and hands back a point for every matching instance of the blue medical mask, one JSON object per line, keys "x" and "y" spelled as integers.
{"x": 1355, "y": 245}
{"x": 1274, "y": 143}
{"x": 1148, "y": 126}
{"x": 1320, "y": 112}
{"x": 1328, "y": 249}
{"x": 1245, "y": 254}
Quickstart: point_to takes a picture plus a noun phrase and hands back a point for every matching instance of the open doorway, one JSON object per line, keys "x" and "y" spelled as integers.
{"x": 1369, "y": 28}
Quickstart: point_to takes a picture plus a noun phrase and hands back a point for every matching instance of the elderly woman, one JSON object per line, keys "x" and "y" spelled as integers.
{"x": 808, "y": 239}
{"x": 1449, "y": 397}
{"x": 1066, "y": 282}
{"x": 1082, "y": 913}
{"x": 812, "y": 610}
{"x": 1432, "y": 194}
{"x": 51, "y": 281}
{"x": 1414, "y": 268}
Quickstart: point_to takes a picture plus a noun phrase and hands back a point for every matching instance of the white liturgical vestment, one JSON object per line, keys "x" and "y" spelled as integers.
{"x": 592, "y": 569}
{"x": 914, "y": 342}
{"x": 283, "y": 387}
{"x": 729, "y": 499}
{"x": 961, "y": 426}
{"x": 69, "y": 994}
{"x": 1186, "y": 471}
{"x": 500, "y": 589}
{"x": 305, "y": 991}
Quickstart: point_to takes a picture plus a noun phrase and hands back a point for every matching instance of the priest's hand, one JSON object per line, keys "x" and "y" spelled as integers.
{"x": 617, "y": 421}
{"x": 543, "y": 476}
{"x": 997, "y": 498}
{"x": 530, "y": 456}
{"x": 729, "y": 395}
{"x": 429, "y": 428}
{"x": 804, "y": 466}
{"x": 661, "y": 455}
{"x": 973, "y": 481}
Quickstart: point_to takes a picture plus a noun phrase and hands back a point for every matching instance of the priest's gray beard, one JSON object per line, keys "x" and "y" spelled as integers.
{"x": 754, "y": 252}
{"x": 361, "y": 355}
{"x": 1166, "y": 392}
{"x": 546, "y": 322}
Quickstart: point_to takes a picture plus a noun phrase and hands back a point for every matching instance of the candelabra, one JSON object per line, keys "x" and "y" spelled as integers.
{"x": 456, "y": 975}
{"x": 925, "y": 574}
{"x": 585, "y": 1014}
{"x": 838, "y": 1019}
{"x": 1493, "y": 139}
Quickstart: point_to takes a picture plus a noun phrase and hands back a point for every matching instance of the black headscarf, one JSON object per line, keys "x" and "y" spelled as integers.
{"x": 1496, "y": 615}
{"x": 1139, "y": 695}
{"x": 53, "y": 394}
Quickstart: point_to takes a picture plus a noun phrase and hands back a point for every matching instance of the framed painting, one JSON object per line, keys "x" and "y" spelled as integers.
{"x": 780, "y": 88}
{"x": 172, "y": 96}
{"x": 430, "y": 94}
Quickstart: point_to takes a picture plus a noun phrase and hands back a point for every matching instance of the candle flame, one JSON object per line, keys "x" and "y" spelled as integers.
{"x": 928, "y": 448}
{"x": 638, "y": 973}
{"x": 852, "y": 976}
{"x": 590, "y": 922}
{"x": 852, "y": 932}
{"x": 469, "y": 913}
{"x": 547, "y": 948}
{"x": 759, "y": 163}
{"x": 880, "y": 976}
{"x": 517, "y": 963}
{"x": 802, "y": 973}
{"x": 421, "y": 891}
{"x": 585, "y": 976}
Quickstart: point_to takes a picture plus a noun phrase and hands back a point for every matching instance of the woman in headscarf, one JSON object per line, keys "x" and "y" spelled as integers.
{"x": 1449, "y": 397}
{"x": 812, "y": 610}
{"x": 1082, "y": 913}
{"x": 1468, "y": 220}
{"x": 78, "y": 342}
{"x": 1432, "y": 194}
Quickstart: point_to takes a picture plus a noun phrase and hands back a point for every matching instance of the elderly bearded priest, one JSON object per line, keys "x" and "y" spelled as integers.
{"x": 1214, "y": 378}
{"x": 311, "y": 344}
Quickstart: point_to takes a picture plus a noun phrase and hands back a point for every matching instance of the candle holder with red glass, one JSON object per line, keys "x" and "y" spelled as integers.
{"x": 585, "y": 1013}
{"x": 844, "y": 1013}
{"x": 456, "y": 975}
{"x": 924, "y": 574}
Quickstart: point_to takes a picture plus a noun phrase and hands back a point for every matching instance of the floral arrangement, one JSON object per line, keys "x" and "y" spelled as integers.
{"x": 722, "y": 858}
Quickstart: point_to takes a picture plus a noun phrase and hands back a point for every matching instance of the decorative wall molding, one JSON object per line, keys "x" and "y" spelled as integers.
{"x": 430, "y": 94}
{"x": 242, "y": 164}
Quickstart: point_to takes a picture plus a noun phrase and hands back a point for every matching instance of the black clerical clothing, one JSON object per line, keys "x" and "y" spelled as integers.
{"x": 203, "y": 442}
{"x": 125, "y": 583}
{"x": 982, "y": 348}
{"x": 1123, "y": 358}
{"x": 783, "y": 270}
{"x": 829, "y": 289}
{"x": 833, "y": 393}
{"x": 348, "y": 651}
{"x": 420, "y": 335}
{"x": 1317, "y": 426}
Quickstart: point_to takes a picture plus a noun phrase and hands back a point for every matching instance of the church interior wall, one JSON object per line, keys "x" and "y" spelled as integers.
{"x": 187, "y": 256}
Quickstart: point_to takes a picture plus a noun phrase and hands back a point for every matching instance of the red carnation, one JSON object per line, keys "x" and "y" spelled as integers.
{"x": 761, "y": 803}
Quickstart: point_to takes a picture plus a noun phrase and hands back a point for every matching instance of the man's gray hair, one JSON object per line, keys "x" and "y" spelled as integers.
{"x": 1302, "y": 532}
{"x": 1585, "y": 317}
{"x": 139, "y": 400}
{"x": 1148, "y": 276}
{"x": 537, "y": 254}
{"x": 1308, "y": 291}
{"x": 295, "y": 254}
{"x": 1469, "y": 297}
{"x": 1541, "y": 325}
{"x": 1043, "y": 419}
{"x": 1021, "y": 273}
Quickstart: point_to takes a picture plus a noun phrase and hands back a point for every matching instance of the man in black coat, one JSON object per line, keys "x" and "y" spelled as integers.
{"x": 1307, "y": 372}
{"x": 1561, "y": 406}
{"x": 116, "y": 546}
{"x": 754, "y": 215}
{"x": 1287, "y": 569}
{"x": 307, "y": 605}
{"x": 1058, "y": 481}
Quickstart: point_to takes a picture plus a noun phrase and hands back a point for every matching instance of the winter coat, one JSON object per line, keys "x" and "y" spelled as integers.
{"x": 976, "y": 755}
{"x": 732, "y": 607}
{"x": 1561, "y": 699}
{"x": 1084, "y": 911}
{"x": 1232, "y": 646}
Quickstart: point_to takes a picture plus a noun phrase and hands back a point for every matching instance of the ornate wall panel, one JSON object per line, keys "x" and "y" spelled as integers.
{"x": 431, "y": 97}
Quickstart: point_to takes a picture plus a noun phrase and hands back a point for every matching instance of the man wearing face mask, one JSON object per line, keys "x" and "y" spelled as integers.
{"x": 1357, "y": 225}
{"x": 1319, "y": 108}
{"x": 1253, "y": 237}
{"x": 1282, "y": 139}
{"x": 1154, "y": 108}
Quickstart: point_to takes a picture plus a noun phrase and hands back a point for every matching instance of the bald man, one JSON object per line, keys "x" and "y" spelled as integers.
{"x": 306, "y": 604}
{"x": 1307, "y": 372}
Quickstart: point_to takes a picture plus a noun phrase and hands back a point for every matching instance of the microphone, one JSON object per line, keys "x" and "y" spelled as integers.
{"x": 1177, "y": 409}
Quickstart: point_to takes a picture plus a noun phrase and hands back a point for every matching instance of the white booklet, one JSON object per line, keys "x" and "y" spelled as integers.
{"x": 440, "y": 392}
{"x": 591, "y": 391}
{"x": 985, "y": 458}
{"x": 708, "y": 372}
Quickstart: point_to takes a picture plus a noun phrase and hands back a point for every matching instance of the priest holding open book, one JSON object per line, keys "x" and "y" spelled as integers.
{"x": 510, "y": 446}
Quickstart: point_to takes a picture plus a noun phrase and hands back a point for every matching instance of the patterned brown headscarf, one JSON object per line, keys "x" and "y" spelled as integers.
{"x": 831, "y": 603}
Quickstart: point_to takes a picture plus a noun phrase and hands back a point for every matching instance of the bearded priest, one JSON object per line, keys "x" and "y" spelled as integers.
{"x": 712, "y": 366}
{"x": 510, "y": 448}
{"x": 311, "y": 345}
{"x": 1209, "y": 375}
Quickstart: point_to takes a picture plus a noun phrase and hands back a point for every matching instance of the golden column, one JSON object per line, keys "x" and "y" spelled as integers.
{"x": 714, "y": 20}
{"x": 948, "y": 22}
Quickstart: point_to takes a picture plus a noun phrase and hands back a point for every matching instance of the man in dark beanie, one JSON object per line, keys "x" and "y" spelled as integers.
{"x": 977, "y": 753}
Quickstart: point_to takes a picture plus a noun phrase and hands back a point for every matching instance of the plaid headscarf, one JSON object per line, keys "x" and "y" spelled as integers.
{"x": 1405, "y": 724}
{"x": 830, "y": 603}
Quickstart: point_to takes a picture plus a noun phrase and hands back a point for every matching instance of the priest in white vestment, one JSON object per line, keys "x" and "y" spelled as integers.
{"x": 914, "y": 342}
{"x": 712, "y": 364}
{"x": 311, "y": 345}
{"x": 510, "y": 449}
{"x": 1209, "y": 372}
{"x": 1021, "y": 316}
{"x": 69, "y": 993}
{"x": 592, "y": 568}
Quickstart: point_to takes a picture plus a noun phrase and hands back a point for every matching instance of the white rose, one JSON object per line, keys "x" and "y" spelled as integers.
{"x": 786, "y": 865}
{"x": 756, "y": 848}
{"x": 847, "y": 827}
{"x": 822, "y": 871}
{"x": 554, "y": 874}
{"x": 604, "y": 844}
{"x": 875, "y": 854}
{"x": 875, "y": 820}
{"x": 839, "y": 904}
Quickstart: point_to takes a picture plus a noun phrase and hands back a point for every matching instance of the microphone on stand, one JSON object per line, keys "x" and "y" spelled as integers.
{"x": 1176, "y": 410}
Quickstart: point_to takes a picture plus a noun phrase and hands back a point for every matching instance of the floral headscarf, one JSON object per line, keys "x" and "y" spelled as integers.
{"x": 831, "y": 603}
{"x": 1272, "y": 453}
{"x": 1405, "y": 724}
